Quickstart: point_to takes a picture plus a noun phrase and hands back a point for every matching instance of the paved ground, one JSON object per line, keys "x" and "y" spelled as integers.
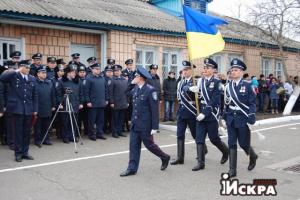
{"x": 58, "y": 173}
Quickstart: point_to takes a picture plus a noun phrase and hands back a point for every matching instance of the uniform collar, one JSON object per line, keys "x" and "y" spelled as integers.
{"x": 208, "y": 78}
{"x": 188, "y": 79}
{"x": 237, "y": 82}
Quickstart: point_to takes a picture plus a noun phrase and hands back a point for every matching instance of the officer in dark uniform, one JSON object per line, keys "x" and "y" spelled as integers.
{"x": 90, "y": 61}
{"x": 76, "y": 60}
{"x": 155, "y": 81}
{"x": 37, "y": 62}
{"x": 22, "y": 103}
{"x": 58, "y": 122}
{"x": 2, "y": 109}
{"x": 70, "y": 85}
{"x": 118, "y": 101}
{"x": 83, "y": 113}
{"x": 145, "y": 122}
{"x": 108, "y": 74}
{"x": 186, "y": 114}
{"x": 51, "y": 64}
{"x": 97, "y": 99}
{"x": 240, "y": 100}
{"x": 15, "y": 59}
{"x": 130, "y": 70}
{"x": 46, "y": 104}
{"x": 210, "y": 89}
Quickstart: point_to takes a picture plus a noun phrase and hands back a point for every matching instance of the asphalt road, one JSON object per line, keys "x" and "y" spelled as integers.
{"x": 57, "y": 173}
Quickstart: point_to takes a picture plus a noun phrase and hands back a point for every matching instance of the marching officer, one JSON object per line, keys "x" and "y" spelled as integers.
{"x": 240, "y": 100}
{"x": 186, "y": 114}
{"x": 76, "y": 60}
{"x": 70, "y": 86}
{"x": 155, "y": 81}
{"x": 51, "y": 64}
{"x": 145, "y": 121}
{"x": 21, "y": 103}
{"x": 209, "y": 88}
{"x": 37, "y": 62}
{"x": 97, "y": 99}
{"x": 46, "y": 104}
{"x": 90, "y": 61}
{"x": 83, "y": 113}
{"x": 118, "y": 101}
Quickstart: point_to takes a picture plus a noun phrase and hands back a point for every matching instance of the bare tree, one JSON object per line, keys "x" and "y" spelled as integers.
{"x": 278, "y": 19}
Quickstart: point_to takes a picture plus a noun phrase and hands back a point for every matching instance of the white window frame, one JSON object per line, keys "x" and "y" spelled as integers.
{"x": 266, "y": 70}
{"x": 169, "y": 65}
{"x": 20, "y": 47}
{"x": 277, "y": 71}
{"x": 219, "y": 59}
{"x": 144, "y": 50}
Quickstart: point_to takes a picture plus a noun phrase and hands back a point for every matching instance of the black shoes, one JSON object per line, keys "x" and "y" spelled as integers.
{"x": 101, "y": 137}
{"x": 253, "y": 158}
{"x": 92, "y": 138}
{"x": 27, "y": 157}
{"x": 38, "y": 145}
{"x": 201, "y": 158}
{"x": 232, "y": 162}
{"x": 180, "y": 153}
{"x": 66, "y": 140}
{"x": 18, "y": 158}
{"x": 225, "y": 151}
{"x": 127, "y": 173}
{"x": 47, "y": 143}
{"x": 115, "y": 136}
{"x": 122, "y": 135}
{"x": 165, "y": 163}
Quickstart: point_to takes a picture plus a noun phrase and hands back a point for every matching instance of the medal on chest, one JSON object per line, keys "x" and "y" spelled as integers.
{"x": 211, "y": 85}
{"x": 243, "y": 89}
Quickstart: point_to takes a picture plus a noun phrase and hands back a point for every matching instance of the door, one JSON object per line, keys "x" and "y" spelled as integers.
{"x": 7, "y": 46}
{"x": 85, "y": 51}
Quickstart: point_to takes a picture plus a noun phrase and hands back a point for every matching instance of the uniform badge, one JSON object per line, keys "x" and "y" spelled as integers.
{"x": 243, "y": 89}
{"x": 84, "y": 82}
{"x": 235, "y": 62}
{"x": 220, "y": 87}
{"x": 109, "y": 82}
{"x": 154, "y": 96}
{"x": 212, "y": 85}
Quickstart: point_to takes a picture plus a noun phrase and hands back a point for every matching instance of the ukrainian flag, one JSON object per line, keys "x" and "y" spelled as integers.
{"x": 202, "y": 34}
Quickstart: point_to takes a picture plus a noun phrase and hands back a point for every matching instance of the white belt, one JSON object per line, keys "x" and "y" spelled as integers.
{"x": 234, "y": 108}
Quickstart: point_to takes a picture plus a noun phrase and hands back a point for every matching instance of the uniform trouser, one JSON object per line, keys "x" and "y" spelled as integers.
{"x": 2, "y": 130}
{"x": 40, "y": 128}
{"x": 96, "y": 117}
{"x": 241, "y": 134}
{"x": 136, "y": 139}
{"x": 118, "y": 120}
{"x": 21, "y": 127}
{"x": 209, "y": 128}
{"x": 107, "y": 127}
{"x": 83, "y": 119}
{"x": 9, "y": 132}
{"x": 182, "y": 124}
{"x": 67, "y": 132}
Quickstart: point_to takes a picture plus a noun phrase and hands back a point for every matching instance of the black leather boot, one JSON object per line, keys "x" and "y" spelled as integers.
{"x": 201, "y": 158}
{"x": 232, "y": 162}
{"x": 252, "y": 159}
{"x": 180, "y": 153}
{"x": 225, "y": 151}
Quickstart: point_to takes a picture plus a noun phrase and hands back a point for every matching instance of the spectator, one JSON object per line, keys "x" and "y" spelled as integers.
{"x": 263, "y": 92}
{"x": 254, "y": 83}
{"x": 296, "y": 80}
{"x": 179, "y": 77}
{"x": 274, "y": 97}
{"x": 169, "y": 91}
{"x": 288, "y": 88}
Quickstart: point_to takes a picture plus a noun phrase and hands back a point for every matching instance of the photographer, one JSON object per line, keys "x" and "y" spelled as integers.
{"x": 71, "y": 86}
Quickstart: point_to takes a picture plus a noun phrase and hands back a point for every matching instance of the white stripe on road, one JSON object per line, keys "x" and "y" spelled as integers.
{"x": 114, "y": 154}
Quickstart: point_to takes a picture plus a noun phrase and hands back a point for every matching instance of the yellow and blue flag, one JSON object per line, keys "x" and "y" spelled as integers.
{"x": 203, "y": 36}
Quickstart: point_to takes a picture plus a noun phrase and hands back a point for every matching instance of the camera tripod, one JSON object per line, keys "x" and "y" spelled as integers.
{"x": 70, "y": 111}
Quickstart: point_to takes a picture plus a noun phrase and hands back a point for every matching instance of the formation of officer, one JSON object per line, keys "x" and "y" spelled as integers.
{"x": 240, "y": 108}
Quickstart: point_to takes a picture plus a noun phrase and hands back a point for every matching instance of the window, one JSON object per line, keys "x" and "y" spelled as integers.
{"x": 278, "y": 68}
{"x": 145, "y": 57}
{"x": 170, "y": 63}
{"x": 218, "y": 59}
{"x": 266, "y": 67}
{"x": 7, "y": 46}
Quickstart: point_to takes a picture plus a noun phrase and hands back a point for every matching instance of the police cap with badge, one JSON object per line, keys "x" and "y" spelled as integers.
{"x": 129, "y": 62}
{"x": 187, "y": 65}
{"x": 15, "y": 54}
{"x": 117, "y": 67}
{"x": 70, "y": 68}
{"x": 60, "y": 61}
{"x": 111, "y": 61}
{"x": 75, "y": 55}
{"x": 25, "y": 63}
{"x": 108, "y": 68}
{"x": 142, "y": 72}
{"x": 42, "y": 69}
{"x": 37, "y": 56}
{"x": 81, "y": 68}
{"x": 51, "y": 60}
{"x": 96, "y": 65}
{"x": 237, "y": 63}
{"x": 153, "y": 66}
{"x": 91, "y": 59}
{"x": 210, "y": 63}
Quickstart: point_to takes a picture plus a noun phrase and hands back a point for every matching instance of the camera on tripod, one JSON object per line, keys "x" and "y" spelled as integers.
{"x": 68, "y": 90}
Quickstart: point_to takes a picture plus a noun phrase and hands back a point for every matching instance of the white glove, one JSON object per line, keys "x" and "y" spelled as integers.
{"x": 153, "y": 131}
{"x": 223, "y": 123}
{"x": 194, "y": 89}
{"x": 200, "y": 117}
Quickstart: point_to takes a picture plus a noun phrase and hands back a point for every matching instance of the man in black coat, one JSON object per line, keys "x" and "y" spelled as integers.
{"x": 37, "y": 62}
{"x": 170, "y": 94}
{"x": 155, "y": 81}
{"x": 70, "y": 85}
{"x": 118, "y": 101}
{"x": 21, "y": 103}
{"x": 51, "y": 64}
{"x": 97, "y": 99}
{"x": 46, "y": 104}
